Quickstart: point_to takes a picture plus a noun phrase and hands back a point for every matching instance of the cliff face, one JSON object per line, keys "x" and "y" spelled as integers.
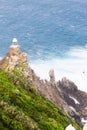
{"x": 64, "y": 93}
{"x": 23, "y": 108}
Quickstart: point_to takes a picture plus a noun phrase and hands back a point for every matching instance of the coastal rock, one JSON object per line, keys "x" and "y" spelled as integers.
{"x": 63, "y": 93}
{"x": 52, "y": 76}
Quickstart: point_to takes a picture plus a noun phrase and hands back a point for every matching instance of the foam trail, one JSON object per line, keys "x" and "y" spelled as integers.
{"x": 73, "y": 66}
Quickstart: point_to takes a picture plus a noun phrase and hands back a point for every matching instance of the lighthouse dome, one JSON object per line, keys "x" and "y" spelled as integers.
{"x": 14, "y": 41}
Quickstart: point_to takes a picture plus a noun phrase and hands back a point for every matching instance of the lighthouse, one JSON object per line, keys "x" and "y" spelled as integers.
{"x": 14, "y": 41}
{"x": 14, "y": 48}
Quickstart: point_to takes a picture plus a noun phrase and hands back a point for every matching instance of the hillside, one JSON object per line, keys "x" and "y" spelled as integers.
{"x": 22, "y": 89}
{"x": 23, "y": 108}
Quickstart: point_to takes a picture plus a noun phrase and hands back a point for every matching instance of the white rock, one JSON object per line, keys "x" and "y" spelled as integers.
{"x": 85, "y": 127}
{"x": 70, "y": 127}
{"x": 17, "y": 92}
{"x": 73, "y": 109}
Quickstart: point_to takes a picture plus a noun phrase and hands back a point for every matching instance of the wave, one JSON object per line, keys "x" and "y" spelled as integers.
{"x": 73, "y": 66}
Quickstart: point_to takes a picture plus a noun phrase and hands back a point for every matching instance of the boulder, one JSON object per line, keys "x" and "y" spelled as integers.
{"x": 85, "y": 127}
{"x": 70, "y": 127}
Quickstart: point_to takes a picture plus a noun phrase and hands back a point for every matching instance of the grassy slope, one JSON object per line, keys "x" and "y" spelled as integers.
{"x": 22, "y": 108}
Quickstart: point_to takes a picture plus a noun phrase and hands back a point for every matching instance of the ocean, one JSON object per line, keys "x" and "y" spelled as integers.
{"x": 52, "y": 33}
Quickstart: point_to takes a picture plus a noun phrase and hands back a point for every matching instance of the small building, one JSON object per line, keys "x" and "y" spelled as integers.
{"x": 14, "y": 48}
{"x": 70, "y": 127}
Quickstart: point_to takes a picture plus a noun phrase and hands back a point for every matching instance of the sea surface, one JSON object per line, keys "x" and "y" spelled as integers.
{"x": 52, "y": 32}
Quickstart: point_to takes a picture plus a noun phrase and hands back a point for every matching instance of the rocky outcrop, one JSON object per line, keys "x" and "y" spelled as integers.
{"x": 15, "y": 59}
{"x": 52, "y": 77}
{"x": 64, "y": 93}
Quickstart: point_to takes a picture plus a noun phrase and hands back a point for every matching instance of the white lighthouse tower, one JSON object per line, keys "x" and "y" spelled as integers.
{"x": 15, "y": 41}
{"x": 14, "y": 48}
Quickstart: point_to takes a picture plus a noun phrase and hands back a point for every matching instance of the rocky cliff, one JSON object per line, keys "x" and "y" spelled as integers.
{"x": 64, "y": 93}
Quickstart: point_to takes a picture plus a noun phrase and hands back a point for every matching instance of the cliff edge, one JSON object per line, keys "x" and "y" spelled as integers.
{"x": 64, "y": 93}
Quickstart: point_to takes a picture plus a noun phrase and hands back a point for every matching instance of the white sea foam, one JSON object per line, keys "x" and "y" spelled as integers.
{"x": 75, "y": 100}
{"x": 73, "y": 66}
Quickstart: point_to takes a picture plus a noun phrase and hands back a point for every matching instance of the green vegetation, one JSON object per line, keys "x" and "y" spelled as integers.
{"x": 23, "y": 108}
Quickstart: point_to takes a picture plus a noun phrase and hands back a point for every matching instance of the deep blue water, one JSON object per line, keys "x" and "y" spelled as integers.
{"x": 43, "y": 28}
